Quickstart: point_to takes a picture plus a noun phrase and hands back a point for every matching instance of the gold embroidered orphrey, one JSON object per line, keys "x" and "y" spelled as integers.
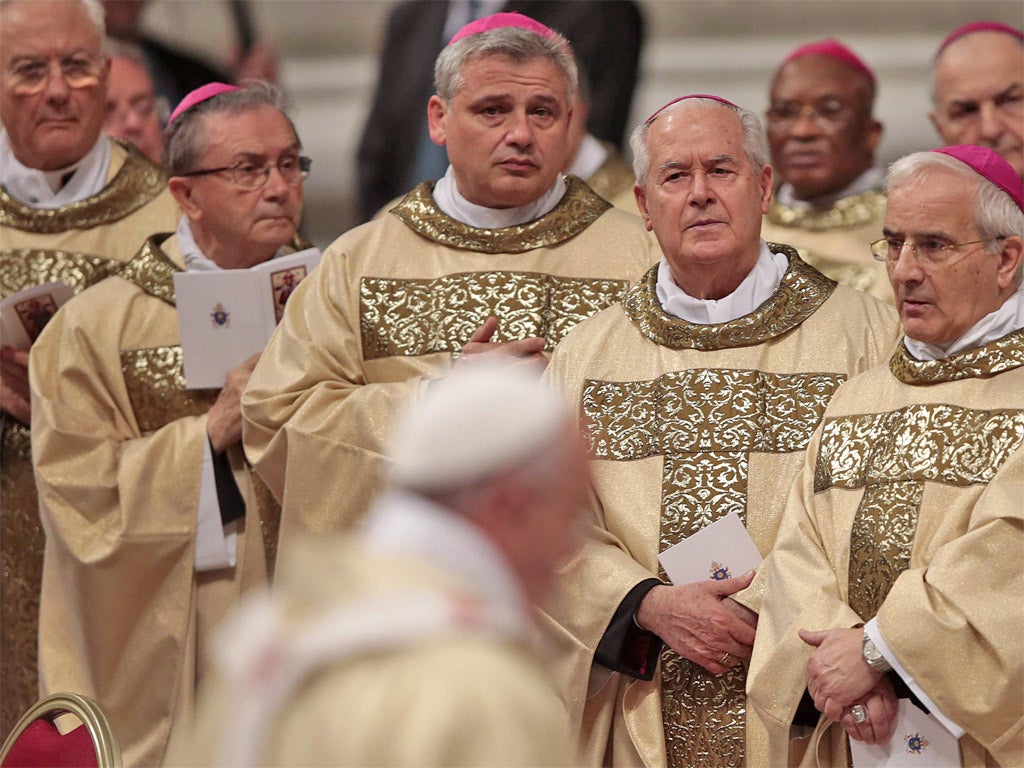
{"x": 417, "y": 317}
{"x": 845, "y": 213}
{"x": 705, "y": 423}
{"x": 891, "y": 456}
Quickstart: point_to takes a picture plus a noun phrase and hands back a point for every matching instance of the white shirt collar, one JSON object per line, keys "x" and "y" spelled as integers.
{"x": 590, "y": 156}
{"x": 757, "y": 287}
{"x": 1007, "y": 319}
{"x": 36, "y": 188}
{"x": 451, "y": 201}
{"x": 870, "y": 179}
{"x": 405, "y": 523}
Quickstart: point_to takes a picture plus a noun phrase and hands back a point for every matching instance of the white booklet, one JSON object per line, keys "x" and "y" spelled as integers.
{"x": 919, "y": 741}
{"x": 722, "y": 550}
{"x": 24, "y": 314}
{"x": 227, "y": 316}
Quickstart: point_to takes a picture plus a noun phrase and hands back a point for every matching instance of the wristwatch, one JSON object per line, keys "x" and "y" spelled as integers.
{"x": 873, "y": 656}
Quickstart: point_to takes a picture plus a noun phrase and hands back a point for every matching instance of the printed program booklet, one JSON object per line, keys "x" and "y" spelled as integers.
{"x": 24, "y": 314}
{"x": 227, "y": 316}
{"x": 722, "y": 550}
{"x": 919, "y": 740}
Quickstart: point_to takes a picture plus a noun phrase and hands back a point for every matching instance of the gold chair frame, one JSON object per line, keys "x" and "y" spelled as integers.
{"x": 101, "y": 734}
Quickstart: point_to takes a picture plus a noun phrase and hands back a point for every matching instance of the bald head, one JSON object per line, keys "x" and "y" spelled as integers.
{"x": 978, "y": 93}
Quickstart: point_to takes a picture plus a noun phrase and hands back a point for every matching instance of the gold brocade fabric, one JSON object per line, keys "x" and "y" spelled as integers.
{"x": 706, "y": 423}
{"x": 151, "y": 270}
{"x": 417, "y": 317}
{"x": 137, "y": 183}
{"x": 155, "y": 383}
{"x": 21, "y": 268}
{"x": 802, "y": 291}
{"x": 847, "y": 212}
{"x": 578, "y": 209}
{"x": 891, "y": 456}
{"x": 1000, "y": 355}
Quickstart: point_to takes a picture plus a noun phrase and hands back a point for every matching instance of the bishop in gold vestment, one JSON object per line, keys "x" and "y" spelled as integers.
{"x": 118, "y": 444}
{"x": 389, "y": 304}
{"x": 78, "y": 244}
{"x": 908, "y": 510}
{"x": 688, "y": 422}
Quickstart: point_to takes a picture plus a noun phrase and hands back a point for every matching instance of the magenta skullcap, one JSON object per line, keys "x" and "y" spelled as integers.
{"x": 199, "y": 95}
{"x": 991, "y": 165}
{"x": 832, "y": 49}
{"x": 978, "y": 26}
{"x": 676, "y": 100}
{"x": 499, "y": 20}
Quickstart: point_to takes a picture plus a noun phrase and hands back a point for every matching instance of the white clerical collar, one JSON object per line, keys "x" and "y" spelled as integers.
{"x": 409, "y": 524}
{"x": 870, "y": 179}
{"x": 1007, "y": 319}
{"x": 590, "y": 156}
{"x": 757, "y": 287}
{"x": 195, "y": 259}
{"x": 44, "y": 189}
{"x": 451, "y": 201}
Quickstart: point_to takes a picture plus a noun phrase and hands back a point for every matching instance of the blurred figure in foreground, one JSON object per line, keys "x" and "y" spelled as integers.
{"x": 413, "y": 642}
{"x": 134, "y": 112}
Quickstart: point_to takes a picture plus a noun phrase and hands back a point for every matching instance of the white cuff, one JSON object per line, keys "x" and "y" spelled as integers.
{"x": 876, "y": 637}
{"x": 215, "y": 542}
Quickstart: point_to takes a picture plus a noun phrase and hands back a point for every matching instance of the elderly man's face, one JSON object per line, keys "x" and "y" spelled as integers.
{"x": 132, "y": 108}
{"x": 819, "y": 125}
{"x": 236, "y": 226}
{"x": 505, "y": 130}
{"x": 938, "y": 304}
{"x": 703, "y": 199}
{"x": 979, "y": 94}
{"x": 54, "y": 82}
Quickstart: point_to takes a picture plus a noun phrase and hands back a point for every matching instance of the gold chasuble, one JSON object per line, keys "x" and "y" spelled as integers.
{"x": 118, "y": 444}
{"x": 688, "y": 422}
{"x": 79, "y": 244}
{"x": 383, "y": 313}
{"x": 835, "y": 240}
{"x": 910, "y": 509}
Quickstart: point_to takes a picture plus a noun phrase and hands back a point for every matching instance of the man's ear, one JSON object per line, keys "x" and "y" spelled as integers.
{"x": 767, "y": 178}
{"x": 1010, "y": 262}
{"x": 437, "y": 109}
{"x": 641, "y": 202}
{"x": 181, "y": 188}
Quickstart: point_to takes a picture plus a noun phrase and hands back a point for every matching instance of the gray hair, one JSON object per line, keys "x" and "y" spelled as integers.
{"x": 122, "y": 49}
{"x": 93, "y": 9}
{"x": 185, "y": 137}
{"x": 995, "y": 212}
{"x": 755, "y": 145}
{"x": 518, "y": 44}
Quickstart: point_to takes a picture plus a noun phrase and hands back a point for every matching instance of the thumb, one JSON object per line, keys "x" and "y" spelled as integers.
{"x": 811, "y": 637}
{"x": 731, "y": 586}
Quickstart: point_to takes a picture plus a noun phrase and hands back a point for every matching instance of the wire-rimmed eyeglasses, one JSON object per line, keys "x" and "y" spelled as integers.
{"x": 930, "y": 252}
{"x": 293, "y": 169}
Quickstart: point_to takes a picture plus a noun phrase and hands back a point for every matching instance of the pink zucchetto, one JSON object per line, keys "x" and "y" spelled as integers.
{"x": 978, "y": 26}
{"x": 991, "y": 165}
{"x": 832, "y": 49}
{"x": 676, "y": 100}
{"x": 499, "y": 20}
{"x": 199, "y": 95}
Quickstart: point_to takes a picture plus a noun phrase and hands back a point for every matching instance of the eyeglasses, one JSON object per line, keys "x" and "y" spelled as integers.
{"x": 244, "y": 173}
{"x": 27, "y": 77}
{"x": 827, "y": 113}
{"x": 930, "y": 253}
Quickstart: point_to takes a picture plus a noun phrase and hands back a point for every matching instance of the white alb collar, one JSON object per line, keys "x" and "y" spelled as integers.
{"x": 451, "y": 201}
{"x": 757, "y": 287}
{"x": 870, "y": 179}
{"x": 1007, "y": 319}
{"x": 195, "y": 259}
{"x": 37, "y": 188}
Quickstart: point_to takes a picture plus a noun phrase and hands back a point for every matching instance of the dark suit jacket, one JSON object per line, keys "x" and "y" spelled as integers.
{"x": 605, "y": 34}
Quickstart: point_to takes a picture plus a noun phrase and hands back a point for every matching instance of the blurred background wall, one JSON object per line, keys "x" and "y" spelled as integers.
{"x": 328, "y": 63}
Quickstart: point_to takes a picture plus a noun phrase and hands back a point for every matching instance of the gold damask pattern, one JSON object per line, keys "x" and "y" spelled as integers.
{"x": 848, "y": 212}
{"x": 882, "y": 537}
{"x": 138, "y": 182}
{"x": 155, "y": 381}
{"x": 151, "y": 270}
{"x": 891, "y": 456}
{"x": 22, "y": 268}
{"x": 21, "y": 572}
{"x": 579, "y": 207}
{"x": 1003, "y": 354}
{"x": 859, "y": 276}
{"x": 705, "y": 423}
{"x": 417, "y": 317}
{"x": 802, "y": 291}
